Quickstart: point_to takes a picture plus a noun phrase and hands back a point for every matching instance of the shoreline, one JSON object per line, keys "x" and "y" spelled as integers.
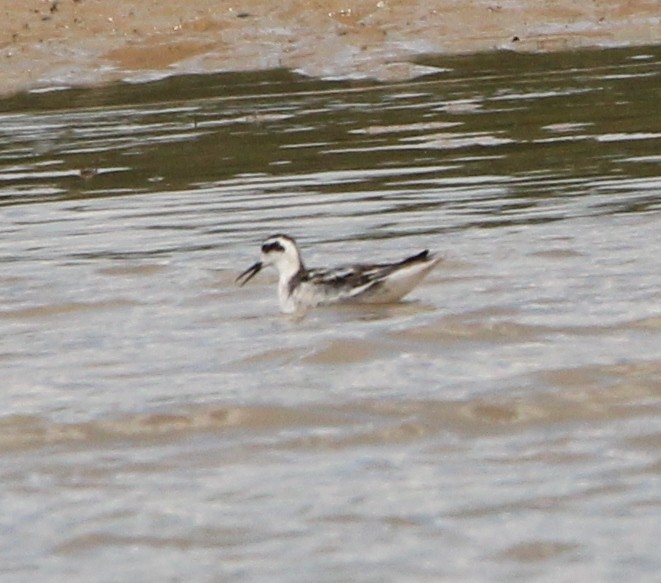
{"x": 62, "y": 43}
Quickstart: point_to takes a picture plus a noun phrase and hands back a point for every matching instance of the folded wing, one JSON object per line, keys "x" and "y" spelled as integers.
{"x": 377, "y": 283}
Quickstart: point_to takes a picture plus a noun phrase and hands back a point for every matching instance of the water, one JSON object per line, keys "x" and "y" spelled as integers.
{"x": 159, "y": 423}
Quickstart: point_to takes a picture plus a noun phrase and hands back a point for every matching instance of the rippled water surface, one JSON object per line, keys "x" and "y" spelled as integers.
{"x": 503, "y": 423}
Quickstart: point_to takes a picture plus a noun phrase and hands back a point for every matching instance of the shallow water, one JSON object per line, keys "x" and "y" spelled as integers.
{"x": 159, "y": 423}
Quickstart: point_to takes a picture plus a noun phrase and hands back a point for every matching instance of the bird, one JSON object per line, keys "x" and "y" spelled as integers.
{"x": 300, "y": 288}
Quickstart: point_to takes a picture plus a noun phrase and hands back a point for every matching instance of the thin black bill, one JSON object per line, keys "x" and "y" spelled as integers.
{"x": 249, "y": 273}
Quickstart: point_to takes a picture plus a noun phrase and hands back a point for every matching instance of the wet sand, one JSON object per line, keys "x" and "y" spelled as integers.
{"x": 45, "y": 43}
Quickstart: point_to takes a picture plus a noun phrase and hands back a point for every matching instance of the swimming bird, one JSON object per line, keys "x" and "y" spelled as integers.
{"x": 300, "y": 288}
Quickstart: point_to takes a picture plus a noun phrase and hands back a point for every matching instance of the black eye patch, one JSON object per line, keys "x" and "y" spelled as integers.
{"x": 269, "y": 247}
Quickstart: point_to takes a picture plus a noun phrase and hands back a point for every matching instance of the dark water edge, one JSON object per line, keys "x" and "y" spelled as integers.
{"x": 209, "y": 129}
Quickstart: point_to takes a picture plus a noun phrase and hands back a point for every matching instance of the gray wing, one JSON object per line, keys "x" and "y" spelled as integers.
{"x": 360, "y": 277}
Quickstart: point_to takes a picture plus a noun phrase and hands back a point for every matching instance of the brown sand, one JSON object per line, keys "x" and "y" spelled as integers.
{"x": 76, "y": 42}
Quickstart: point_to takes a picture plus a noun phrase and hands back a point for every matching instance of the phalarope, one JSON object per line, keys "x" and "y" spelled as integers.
{"x": 301, "y": 288}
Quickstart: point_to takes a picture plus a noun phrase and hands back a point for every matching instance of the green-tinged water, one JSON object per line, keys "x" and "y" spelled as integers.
{"x": 503, "y": 423}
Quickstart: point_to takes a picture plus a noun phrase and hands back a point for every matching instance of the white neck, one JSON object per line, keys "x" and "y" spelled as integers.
{"x": 288, "y": 265}
{"x": 286, "y": 301}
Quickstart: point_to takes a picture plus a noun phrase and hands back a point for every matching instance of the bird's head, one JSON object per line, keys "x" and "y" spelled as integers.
{"x": 279, "y": 251}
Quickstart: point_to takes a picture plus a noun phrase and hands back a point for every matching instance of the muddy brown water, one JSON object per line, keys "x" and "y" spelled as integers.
{"x": 159, "y": 423}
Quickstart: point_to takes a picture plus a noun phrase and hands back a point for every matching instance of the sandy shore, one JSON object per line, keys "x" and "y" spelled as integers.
{"x": 78, "y": 42}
